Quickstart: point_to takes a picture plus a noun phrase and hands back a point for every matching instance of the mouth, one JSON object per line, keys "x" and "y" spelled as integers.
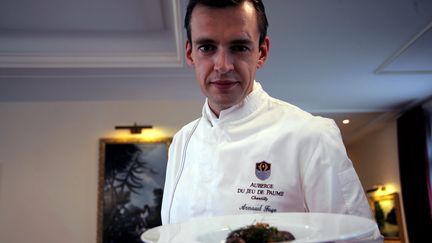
{"x": 223, "y": 84}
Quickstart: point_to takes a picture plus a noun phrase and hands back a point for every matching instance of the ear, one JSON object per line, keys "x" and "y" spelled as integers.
{"x": 188, "y": 53}
{"x": 263, "y": 51}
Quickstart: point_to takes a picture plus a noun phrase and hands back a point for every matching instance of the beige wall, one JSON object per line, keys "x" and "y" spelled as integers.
{"x": 49, "y": 163}
{"x": 375, "y": 158}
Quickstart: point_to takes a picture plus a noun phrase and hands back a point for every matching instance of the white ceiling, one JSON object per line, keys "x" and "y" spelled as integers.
{"x": 367, "y": 59}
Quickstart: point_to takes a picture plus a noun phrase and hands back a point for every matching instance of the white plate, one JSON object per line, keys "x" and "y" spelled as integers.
{"x": 306, "y": 227}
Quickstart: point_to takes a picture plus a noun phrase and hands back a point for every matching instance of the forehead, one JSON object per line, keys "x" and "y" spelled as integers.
{"x": 228, "y": 21}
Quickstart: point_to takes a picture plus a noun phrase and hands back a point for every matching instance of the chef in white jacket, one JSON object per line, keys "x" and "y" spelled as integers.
{"x": 249, "y": 152}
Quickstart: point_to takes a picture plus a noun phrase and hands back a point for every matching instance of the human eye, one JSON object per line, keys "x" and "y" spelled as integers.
{"x": 206, "y": 48}
{"x": 240, "y": 48}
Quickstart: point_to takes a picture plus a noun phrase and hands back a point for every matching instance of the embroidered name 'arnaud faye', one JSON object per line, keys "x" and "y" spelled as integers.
{"x": 262, "y": 170}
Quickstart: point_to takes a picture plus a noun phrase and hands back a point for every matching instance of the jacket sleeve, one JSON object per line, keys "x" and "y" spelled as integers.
{"x": 330, "y": 183}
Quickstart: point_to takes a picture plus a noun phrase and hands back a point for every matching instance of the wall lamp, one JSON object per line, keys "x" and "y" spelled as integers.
{"x": 376, "y": 188}
{"x": 135, "y": 129}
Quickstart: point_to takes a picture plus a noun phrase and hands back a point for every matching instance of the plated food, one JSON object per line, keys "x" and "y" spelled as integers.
{"x": 259, "y": 233}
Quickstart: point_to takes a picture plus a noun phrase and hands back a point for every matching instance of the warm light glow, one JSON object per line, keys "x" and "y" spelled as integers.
{"x": 346, "y": 121}
{"x": 390, "y": 188}
{"x": 153, "y": 134}
{"x": 384, "y": 190}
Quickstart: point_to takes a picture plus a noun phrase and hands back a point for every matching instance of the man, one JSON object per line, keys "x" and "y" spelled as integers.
{"x": 250, "y": 153}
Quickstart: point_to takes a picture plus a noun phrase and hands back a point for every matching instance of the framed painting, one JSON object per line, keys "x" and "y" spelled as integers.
{"x": 387, "y": 213}
{"x": 131, "y": 180}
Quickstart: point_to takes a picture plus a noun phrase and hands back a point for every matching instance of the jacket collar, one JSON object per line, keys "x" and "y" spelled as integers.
{"x": 239, "y": 111}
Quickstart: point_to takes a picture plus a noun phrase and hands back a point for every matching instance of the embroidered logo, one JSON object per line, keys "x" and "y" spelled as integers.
{"x": 262, "y": 170}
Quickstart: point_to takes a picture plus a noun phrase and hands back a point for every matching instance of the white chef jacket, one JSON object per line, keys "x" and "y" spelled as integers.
{"x": 262, "y": 155}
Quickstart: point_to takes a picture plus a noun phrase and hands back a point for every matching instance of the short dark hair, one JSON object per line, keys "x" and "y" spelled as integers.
{"x": 258, "y": 5}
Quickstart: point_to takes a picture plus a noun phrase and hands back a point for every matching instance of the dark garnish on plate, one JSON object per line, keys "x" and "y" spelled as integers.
{"x": 258, "y": 233}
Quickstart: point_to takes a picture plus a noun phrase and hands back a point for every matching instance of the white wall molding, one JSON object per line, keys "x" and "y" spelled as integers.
{"x": 30, "y": 48}
{"x": 44, "y": 60}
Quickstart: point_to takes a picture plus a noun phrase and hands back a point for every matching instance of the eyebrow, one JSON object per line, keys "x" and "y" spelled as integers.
{"x": 240, "y": 41}
{"x": 204, "y": 41}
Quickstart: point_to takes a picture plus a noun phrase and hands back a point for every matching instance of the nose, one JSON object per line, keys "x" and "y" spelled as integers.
{"x": 223, "y": 62}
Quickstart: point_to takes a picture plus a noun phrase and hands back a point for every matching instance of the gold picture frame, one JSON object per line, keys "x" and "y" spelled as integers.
{"x": 130, "y": 187}
{"x": 387, "y": 213}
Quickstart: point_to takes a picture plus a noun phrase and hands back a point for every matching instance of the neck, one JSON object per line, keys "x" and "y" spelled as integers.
{"x": 216, "y": 110}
